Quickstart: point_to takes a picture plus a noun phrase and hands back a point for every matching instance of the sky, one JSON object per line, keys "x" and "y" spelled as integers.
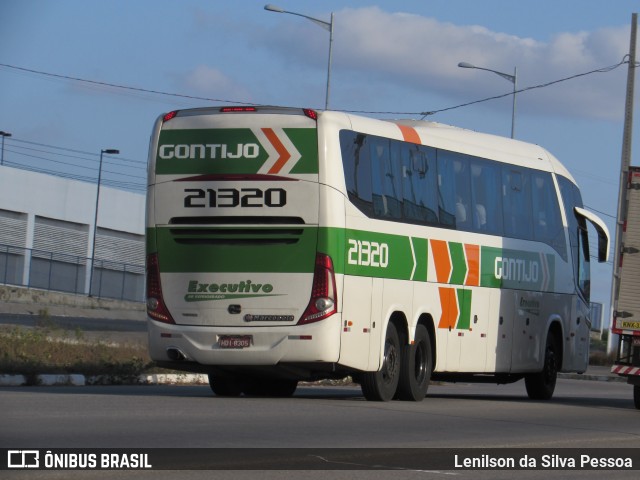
{"x": 397, "y": 58}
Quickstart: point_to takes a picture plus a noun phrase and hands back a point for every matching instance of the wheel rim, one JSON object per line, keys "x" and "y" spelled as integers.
{"x": 390, "y": 362}
{"x": 552, "y": 369}
{"x": 420, "y": 365}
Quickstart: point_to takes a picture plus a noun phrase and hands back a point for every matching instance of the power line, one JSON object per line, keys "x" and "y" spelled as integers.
{"x": 70, "y": 164}
{"x": 83, "y": 152}
{"x": 124, "y": 87}
{"x": 600, "y": 212}
{"x": 42, "y": 152}
{"x": 542, "y": 85}
{"x": 141, "y": 187}
{"x": 423, "y": 113}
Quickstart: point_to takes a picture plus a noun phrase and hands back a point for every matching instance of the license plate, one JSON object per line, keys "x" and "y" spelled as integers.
{"x": 235, "y": 341}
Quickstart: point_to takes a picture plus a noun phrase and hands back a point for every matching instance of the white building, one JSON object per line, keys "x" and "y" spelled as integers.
{"x": 46, "y": 235}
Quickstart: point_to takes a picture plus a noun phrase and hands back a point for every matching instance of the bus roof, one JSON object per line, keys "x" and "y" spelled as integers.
{"x": 465, "y": 141}
{"x": 432, "y": 134}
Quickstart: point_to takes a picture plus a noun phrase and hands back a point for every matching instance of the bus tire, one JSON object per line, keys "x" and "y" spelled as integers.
{"x": 270, "y": 387}
{"x": 225, "y": 387}
{"x": 636, "y": 396}
{"x": 540, "y": 386}
{"x": 381, "y": 386}
{"x": 416, "y": 367}
{"x": 282, "y": 388}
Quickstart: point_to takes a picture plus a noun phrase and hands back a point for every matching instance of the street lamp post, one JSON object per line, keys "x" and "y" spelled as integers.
{"x": 3, "y": 135}
{"x": 327, "y": 26}
{"x": 108, "y": 151}
{"x": 512, "y": 78}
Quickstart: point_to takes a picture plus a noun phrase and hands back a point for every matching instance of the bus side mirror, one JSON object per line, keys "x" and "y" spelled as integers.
{"x": 601, "y": 230}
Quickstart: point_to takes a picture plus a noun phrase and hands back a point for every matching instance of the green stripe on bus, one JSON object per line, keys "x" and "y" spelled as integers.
{"x": 459, "y": 263}
{"x": 517, "y": 269}
{"x": 306, "y": 141}
{"x": 150, "y": 241}
{"x": 219, "y": 249}
{"x": 381, "y": 255}
{"x": 354, "y": 252}
{"x": 421, "y": 249}
{"x": 464, "y": 303}
{"x": 232, "y": 150}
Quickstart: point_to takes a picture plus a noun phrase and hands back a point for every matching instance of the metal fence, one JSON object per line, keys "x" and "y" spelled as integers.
{"x": 68, "y": 273}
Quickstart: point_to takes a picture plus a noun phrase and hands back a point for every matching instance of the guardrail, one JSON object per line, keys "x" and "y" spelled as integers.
{"x": 69, "y": 273}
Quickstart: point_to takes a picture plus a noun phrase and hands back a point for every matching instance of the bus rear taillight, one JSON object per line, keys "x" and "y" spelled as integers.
{"x": 323, "y": 292}
{"x": 156, "y": 307}
{"x": 238, "y": 109}
{"x": 169, "y": 116}
{"x": 312, "y": 114}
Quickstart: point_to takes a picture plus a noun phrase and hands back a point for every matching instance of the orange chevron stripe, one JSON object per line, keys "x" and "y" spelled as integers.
{"x": 449, "y": 305}
{"x": 280, "y": 148}
{"x": 442, "y": 260}
{"x": 409, "y": 134}
{"x": 473, "y": 265}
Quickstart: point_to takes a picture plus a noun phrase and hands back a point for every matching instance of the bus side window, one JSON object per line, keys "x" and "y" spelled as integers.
{"x": 546, "y": 213}
{"x": 516, "y": 203}
{"x": 486, "y": 186}
{"x": 387, "y": 191}
{"x": 357, "y": 169}
{"x": 584, "y": 262}
{"x": 464, "y": 207}
{"x": 571, "y": 198}
{"x": 418, "y": 184}
{"x": 446, "y": 190}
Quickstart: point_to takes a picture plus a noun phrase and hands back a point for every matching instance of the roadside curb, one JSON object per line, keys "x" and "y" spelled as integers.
{"x": 593, "y": 377}
{"x": 76, "y": 380}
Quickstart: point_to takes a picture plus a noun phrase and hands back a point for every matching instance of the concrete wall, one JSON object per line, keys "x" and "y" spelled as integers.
{"x": 45, "y": 213}
{"x": 70, "y": 200}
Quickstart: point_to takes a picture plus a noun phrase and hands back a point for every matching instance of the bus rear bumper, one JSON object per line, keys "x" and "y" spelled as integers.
{"x": 220, "y": 346}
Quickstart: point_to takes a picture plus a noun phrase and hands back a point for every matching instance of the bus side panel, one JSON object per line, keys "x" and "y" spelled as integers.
{"x": 356, "y": 322}
{"x": 397, "y": 297}
{"x": 578, "y": 327}
{"x": 529, "y": 328}
{"x": 500, "y": 333}
{"x": 473, "y": 354}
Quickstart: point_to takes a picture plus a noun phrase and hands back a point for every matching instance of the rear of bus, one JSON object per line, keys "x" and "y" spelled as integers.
{"x": 236, "y": 281}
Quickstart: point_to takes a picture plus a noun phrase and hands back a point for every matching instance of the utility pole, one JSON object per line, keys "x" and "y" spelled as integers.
{"x": 625, "y": 161}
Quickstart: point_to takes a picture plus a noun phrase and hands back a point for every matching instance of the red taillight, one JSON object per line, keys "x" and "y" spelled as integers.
{"x": 323, "y": 292}
{"x": 156, "y": 308}
{"x": 238, "y": 109}
{"x": 312, "y": 114}
{"x": 169, "y": 116}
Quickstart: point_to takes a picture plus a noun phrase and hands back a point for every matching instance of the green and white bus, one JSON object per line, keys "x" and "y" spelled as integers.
{"x": 290, "y": 244}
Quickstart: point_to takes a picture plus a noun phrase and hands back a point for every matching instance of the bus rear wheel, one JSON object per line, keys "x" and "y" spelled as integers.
{"x": 540, "y": 386}
{"x": 381, "y": 386}
{"x": 225, "y": 387}
{"x": 415, "y": 372}
{"x": 270, "y": 387}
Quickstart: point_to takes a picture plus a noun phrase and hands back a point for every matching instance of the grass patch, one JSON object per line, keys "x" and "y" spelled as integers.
{"x": 44, "y": 349}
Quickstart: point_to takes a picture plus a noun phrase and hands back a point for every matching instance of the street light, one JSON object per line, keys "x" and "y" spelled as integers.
{"x": 512, "y": 78}
{"x": 327, "y": 26}
{"x": 3, "y": 134}
{"x": 108, "y": 151}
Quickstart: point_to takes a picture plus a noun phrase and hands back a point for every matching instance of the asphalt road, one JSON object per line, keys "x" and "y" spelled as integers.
{"x": 583, "y": 414}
